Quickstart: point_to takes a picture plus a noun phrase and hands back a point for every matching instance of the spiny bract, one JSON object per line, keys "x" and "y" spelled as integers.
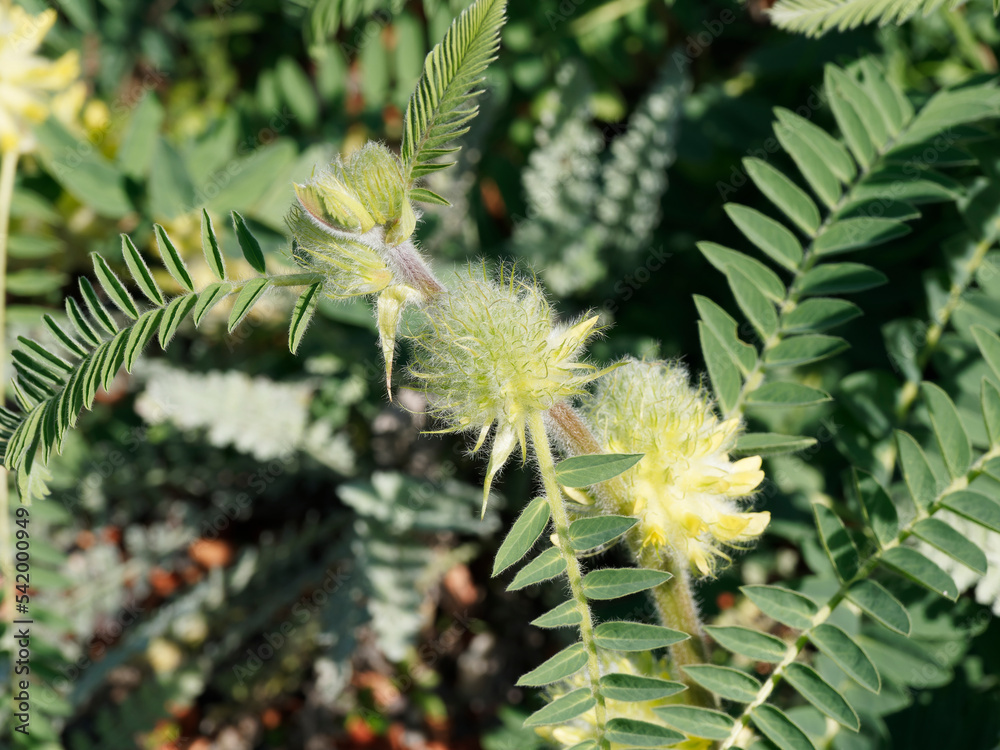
{"x": 491, "y": 354}
{"x": 31, "y": 87}
{"x": 686, "y": 487}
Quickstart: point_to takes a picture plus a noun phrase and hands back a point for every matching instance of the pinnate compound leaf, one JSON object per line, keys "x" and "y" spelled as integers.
{"x": 522, "y": 535}
{"x": 584, "y": 471}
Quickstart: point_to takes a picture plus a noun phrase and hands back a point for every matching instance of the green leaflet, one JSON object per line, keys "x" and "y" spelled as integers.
{"x": 800, "y": 350}
{"x": 821, "y": 694}
{"x": 635, "y": 688}
{"x": 140, "y": 271}
{"x": 584, "y": 471}
{"x": 248, "y": 244}
{"x": 942, "y": 536}
{"x": 948, "y": 430}
{"x": 880, "y": 605}
{"x": 912, "y": 565}
{"x": 784, "y": 605}
{"x": 249, "y": 296}
{"x": 635, "y": 636}
{"x": 785, "y": 194}
{"x": 839, "y": 278}
{"x": 974, "y": 506}
{"x": 784, "y": 394}
{"x": 210, "y": 247}
{"x": 589, "y": 533}
{"x": 878, "y": 509}
{"x": 750, "y": 643}
{"x": 522, "y": 535}
{"x": 819, "y": 314}
{"x": 917, "y": 472}
{"x": 567, "y": 662}
{"x": 548, "y": 564}
{"x": 770, "y": 444}
{"x": 847, "y": 655}
{"x": 565, "y": 615}
{"x": 697, "y": 722}
{"x": 777, "y": 727}
{"x": 562, "y": 709}
{"x": 172, "y": 259}
{"x": 613, "y": 583}
{"x": 302, "y": 314}
{"x": 635, "y": 733}
{"x": 729, "y": 683}
{"x": 836, "y": 542}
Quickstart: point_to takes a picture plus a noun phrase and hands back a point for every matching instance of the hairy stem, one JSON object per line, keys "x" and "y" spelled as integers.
{"x": 676, "y": 606}
{"x": 560, "y": 520}
{"x": 8, "y": 171}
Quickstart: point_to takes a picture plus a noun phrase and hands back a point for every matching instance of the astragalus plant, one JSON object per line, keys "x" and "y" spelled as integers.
{"x": 645, "y": 454}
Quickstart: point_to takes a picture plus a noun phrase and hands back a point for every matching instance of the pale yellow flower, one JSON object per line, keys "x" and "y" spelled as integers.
{"x": 685, "y": 490}
{"x": 31, "y": 86}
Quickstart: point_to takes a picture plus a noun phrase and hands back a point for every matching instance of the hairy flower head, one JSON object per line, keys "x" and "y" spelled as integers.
{"x": 584, "y": 727}
{"x": 491, "y": 355}
{"x": 686, "y": 489}
{"x": 31, "y": 86}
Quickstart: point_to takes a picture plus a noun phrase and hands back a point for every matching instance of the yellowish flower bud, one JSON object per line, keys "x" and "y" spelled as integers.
{"x": 491, "y": 355}
{"x": 686, "y": 489}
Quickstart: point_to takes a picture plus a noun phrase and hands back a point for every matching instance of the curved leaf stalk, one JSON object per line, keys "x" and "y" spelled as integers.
{"x": 8, "y": 170}
{"x": 864, "y": 572}
{"x": 560, "y": 522}
{"x": 756, "y": 378}
{"x": 674, "y": 600}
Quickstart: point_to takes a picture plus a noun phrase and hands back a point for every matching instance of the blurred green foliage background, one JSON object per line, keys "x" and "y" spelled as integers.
{"x": 246, "y": 549}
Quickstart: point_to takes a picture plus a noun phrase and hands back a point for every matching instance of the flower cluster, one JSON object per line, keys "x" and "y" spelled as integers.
{"x": 685, "y": 489}
{"x": 31, "y": 86}
{"x": 490, "y": 355}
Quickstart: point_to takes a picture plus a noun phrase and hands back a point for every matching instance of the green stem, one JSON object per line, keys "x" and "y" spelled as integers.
{"x": 8, "y": 171}
{"x": 560, "y": 520}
